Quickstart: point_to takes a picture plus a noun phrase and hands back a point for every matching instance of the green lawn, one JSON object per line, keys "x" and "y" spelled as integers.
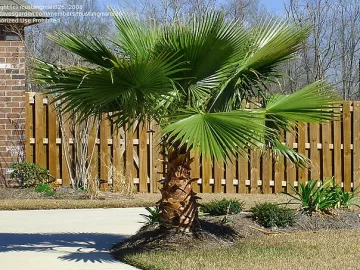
{"x": 338, "y": 249}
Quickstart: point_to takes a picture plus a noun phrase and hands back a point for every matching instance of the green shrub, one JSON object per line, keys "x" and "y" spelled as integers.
{"x": 29, "y": 174}
{"x": 153, "y": 216}
{"x": 45, "y": 188}
{"x": 273, "y": 215}
{"x": 313, "y": 198}
{"x": 223, "y": 207}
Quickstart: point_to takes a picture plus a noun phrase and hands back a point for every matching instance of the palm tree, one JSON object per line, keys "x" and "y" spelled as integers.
{"x": 193, "y": 78}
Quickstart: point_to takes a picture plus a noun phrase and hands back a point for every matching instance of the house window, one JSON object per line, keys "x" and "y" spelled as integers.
{"x": 11, "y": 37}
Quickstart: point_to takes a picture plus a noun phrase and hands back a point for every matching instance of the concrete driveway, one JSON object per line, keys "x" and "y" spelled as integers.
{"x": 65, "y": 239}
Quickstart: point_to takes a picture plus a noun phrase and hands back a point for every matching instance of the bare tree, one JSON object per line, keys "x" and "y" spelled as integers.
{"x": 167, "y": 11}
{"x": 331, "y": 52}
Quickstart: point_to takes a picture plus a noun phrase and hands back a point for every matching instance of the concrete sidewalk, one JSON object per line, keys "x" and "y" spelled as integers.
{"x": 75, "y": 239}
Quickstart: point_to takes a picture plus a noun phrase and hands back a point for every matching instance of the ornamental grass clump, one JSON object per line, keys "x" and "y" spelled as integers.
{"x": 315, "y": 196}
{"x": 272, "y": 215}
{"x": 348, "y": 198}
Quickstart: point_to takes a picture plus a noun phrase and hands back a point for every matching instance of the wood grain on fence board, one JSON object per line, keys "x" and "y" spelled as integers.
{"x": 218, "y": 176}
{"x": 65, "y": 147}
{"x": 52, "y": 147}
{"x": 156, "y": 166}
{"x": 356, "y": 144}
{"x": 243, "y": 172}
{"x": 279, "y": 173}
{"x": 290, "y": 167}
{"x": 254, "y": 171}
{"x": 143, "y": 158}
{"x": 129, "y": 155}
{"x": 302, "y": 172}
{"x": 195, "y": 170}
{"x": 206, "y": 175}
{"x": 39, "y": 132}
{"x": 325, "y": 144}
{"x": 230, "y": 175}
{"x": 347, "y": 145}
{"x": 337, "y": 150}
{"x": 266, "y": 172}
{"x": 314, "y": 152}
{"x": 105, "y": 132}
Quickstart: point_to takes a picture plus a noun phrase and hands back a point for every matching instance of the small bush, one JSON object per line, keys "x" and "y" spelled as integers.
{"x": 273, "y": 215}
{"x": 45, "y": 188}
{"x": 223, "y": 207}
{"x": 29, "y": 174}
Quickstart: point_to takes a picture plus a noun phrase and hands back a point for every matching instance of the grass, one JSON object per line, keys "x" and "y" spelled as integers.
{"x": 113, "y": 200}
{"x": 338, "y": 249}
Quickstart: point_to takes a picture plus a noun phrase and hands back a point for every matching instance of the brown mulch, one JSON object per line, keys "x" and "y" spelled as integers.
{"x": 214, "y": 232}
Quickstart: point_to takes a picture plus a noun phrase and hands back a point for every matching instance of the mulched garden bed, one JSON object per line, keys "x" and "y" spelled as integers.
{"x": 214, "y": 232}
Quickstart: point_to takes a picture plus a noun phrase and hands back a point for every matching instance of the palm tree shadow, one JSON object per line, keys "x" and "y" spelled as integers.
{"x": 87, "y": 247}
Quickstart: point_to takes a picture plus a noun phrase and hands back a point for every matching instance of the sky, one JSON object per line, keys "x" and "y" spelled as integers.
{"x": 275, "y": 6}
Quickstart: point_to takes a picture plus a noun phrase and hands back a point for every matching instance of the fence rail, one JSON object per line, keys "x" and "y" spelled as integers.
{"x": 333, "y": 147}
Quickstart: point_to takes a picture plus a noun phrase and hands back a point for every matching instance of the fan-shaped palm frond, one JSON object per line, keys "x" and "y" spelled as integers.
{"x": 218, "y": 135}
{"x": 268, "y": 45}
{"x": 130, "y": 89}
{"x": 205, "y": 65}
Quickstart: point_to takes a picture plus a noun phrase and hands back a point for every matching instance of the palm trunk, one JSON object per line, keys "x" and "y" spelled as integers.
{"x": 178, "y": 205}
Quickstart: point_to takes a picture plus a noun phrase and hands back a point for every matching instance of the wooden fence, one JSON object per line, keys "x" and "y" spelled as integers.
{"x": 334, "y": 149}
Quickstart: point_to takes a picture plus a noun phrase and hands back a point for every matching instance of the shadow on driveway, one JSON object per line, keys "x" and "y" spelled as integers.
{"x": 87, "y": 247}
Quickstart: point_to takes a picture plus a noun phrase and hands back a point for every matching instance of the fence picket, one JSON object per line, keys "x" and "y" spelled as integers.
{"x": 40, "y": 154}
{"x": 218, "y": 176}
{"x": 230, "y": 175}
{"x": 52, "y": 147}
{"x": 337, "y": 151}
{"x": 93, "y": 153}
{"x": 326, "y": 137}
{"x": 266, "y": 172}
{"x": 143, "y": 158}
{"x": 290, "y": 167}
{"x": 356, "y": 144}
{"x": 206, "y": 175}
{"x": 243, "y": 169}
{"x": 65, "y": 147}
{"x": 254, "y": 172}
{"x": 302, "y": 172}
{"x": 156, "y": 165}
{"x": 129, "y": 153}
{"x": 347, "y": 145}
{"x": 195, "y": 170}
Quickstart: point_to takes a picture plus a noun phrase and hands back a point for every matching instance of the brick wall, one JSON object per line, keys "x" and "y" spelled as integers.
{"x": 12, "y": 96}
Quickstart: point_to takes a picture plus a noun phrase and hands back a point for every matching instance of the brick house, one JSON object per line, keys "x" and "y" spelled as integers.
{"x": 15, "y": 15}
